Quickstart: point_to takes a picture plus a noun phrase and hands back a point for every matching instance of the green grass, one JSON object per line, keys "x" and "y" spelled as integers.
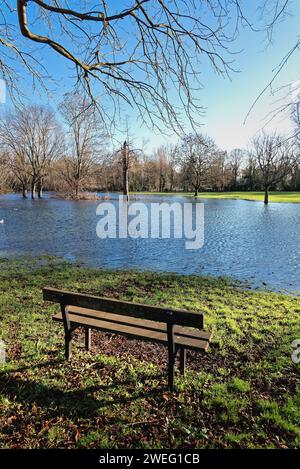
{"x": 243, "y": 394}
{"x": 290, "y": 197}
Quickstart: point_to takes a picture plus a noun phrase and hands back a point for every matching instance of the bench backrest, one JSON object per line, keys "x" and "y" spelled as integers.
{"x": 126, "y": 308}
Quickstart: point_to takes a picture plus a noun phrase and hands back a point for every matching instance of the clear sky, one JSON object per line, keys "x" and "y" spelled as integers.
{"x": 226, "y": 101}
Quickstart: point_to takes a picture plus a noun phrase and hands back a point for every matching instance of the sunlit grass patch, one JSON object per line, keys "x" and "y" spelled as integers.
{"x": 284, "y": 418}
{"x": 276, "y": 196}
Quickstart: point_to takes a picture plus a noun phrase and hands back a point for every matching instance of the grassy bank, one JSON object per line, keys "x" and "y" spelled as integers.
{"x": 290, "y": 197}
{"x": 243, "y": 393}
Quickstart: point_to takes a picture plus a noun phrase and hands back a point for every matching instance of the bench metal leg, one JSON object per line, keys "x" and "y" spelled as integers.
{"x": 171, "y": 372}
{"x": 68, "y": 331}
{"x": 87, "y": 338}
{"x": 182, "y": 361}
{"x": 171, "y": 355}
{"x": 68, "y": 345}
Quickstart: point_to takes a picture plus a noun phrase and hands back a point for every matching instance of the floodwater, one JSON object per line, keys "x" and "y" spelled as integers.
{"x": 242, "y": 239}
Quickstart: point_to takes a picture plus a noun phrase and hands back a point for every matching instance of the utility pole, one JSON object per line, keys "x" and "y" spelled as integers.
{"x": 125, "y": 157}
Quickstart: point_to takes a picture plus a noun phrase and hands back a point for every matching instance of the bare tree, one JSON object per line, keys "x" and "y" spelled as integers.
{"x": 295, "y": 115}
{"x": 17, "y": 55}
{"x": 235, "y": 162}
{"x": 167, "y": 157}
{"x": 219, "y": 176}
{"x": 4, "y": 171}
{"x": 275, "y": 157}
{"x": 173, "y": 160}
{"x": 161, "y": 158}
{"x": 33, "y": 141}
{"x": 16, "y": 159}
{"x": 19, "y": 166}
{"x": 196, "y": 154}
{"x": 135, "y": 52}
{"x": 250, "y": 178}
{"x": 44, "y": 143}
{"x": 13, "y": 145}
{"x": 85, "y": 140}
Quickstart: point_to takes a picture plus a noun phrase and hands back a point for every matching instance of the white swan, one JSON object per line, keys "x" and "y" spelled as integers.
{"x": 2, "y": 221}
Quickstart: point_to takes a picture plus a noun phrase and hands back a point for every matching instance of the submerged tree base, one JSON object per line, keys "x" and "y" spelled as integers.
{"x": 243, "y": 393}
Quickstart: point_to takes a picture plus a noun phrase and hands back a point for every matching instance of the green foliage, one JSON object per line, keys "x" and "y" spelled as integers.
{"x": 239, "y": 385}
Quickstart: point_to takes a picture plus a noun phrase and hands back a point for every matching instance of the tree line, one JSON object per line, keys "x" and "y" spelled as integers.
{"x": 71, "y": 155}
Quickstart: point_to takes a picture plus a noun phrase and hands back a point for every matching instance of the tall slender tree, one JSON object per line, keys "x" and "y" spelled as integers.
{"x": 197, "y": 153}
{"x": 85, "y": 141}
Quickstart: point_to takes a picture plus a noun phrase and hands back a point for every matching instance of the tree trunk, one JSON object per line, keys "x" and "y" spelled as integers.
{"x": 125, "y": 171}
{"x": 266, "y": 201}
{"x": 40, "y": 189}
{"x": 196, "y": 193}
{"x": 24, "y": 191}
{"x": 33, "y": 190}
{"x": 76, "y": 190}
{"x": 162, "y": 183}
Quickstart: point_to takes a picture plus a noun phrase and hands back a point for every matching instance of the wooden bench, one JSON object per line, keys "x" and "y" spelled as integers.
{"x": 177, "y": 329}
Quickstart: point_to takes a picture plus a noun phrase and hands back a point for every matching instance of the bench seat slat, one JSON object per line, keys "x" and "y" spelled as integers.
{"x": 135, "y": 332}
{"x": 143, "y": 323}
{"x": 125, "y": 308}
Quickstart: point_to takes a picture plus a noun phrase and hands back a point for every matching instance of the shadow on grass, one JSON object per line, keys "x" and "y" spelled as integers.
{"x": 69, "y": 403}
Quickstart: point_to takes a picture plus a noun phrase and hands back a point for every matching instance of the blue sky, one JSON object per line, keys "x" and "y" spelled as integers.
{"x": 226, "y": 101}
